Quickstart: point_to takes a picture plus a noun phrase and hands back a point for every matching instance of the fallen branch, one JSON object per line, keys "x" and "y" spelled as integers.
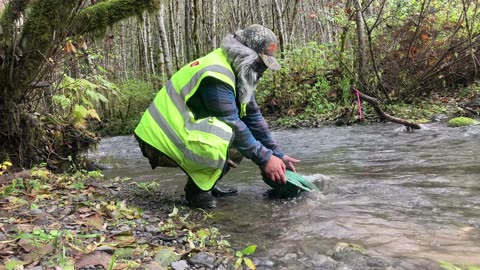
{"x": 385, "y": 116}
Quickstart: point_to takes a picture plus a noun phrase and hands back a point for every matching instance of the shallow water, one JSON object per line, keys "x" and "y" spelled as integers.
{"x": 391, "y": 192}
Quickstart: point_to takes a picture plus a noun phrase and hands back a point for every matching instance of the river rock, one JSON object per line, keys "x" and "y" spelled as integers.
{"x": 180, "y": 265}
{"x": 152, "y": 229}
{"x": 325, "y": 263}
{"x": 263, "y": 262}
{"x": 203, "y": 259}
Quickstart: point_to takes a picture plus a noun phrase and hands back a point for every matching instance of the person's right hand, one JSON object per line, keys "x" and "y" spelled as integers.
{"x": 275, "y": 170}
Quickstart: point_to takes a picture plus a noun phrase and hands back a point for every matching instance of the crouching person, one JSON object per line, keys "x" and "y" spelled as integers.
{"x": 207, "y": 110}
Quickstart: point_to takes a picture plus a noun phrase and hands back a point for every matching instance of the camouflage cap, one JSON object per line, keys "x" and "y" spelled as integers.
{"x": 263, "y": 41}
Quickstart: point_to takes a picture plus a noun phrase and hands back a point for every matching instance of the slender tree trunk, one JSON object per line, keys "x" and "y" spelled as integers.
{"x": 195, "y": 26}
{"x": 173, "y": 13}
{"x": 164, "y": 41}
{"x": 144, "y": 40}
{"x": 261, "y": 11}
{"x": 281, "y": 29}
{"x": 213, "y": 32}
{"x": 149, "y": 33}
{"x": 362, "y": 42}
{"x": 123, "y": 48}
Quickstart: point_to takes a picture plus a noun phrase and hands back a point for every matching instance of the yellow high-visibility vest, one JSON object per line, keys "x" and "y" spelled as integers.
{"x": 199, "y": 147}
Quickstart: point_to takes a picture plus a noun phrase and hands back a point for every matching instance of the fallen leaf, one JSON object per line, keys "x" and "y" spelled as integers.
{"x": 126, "y": 240}
{"x": 95, "y": 258}
{"x": 166, "y": 256}
{"x": 95, "y": 221}
{"x": 37, "y": 253}
{"x": 26, "y": 244}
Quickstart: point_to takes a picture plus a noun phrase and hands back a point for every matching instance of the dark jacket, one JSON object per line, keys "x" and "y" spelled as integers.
{"x": 253, "y": 138}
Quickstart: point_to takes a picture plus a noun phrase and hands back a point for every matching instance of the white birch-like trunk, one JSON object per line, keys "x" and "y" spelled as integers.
{"x": 164, "y": 41}
{"x": 362, "y": 40}
{"x": 281, "y": 28}
{"x": 214, "y": 35}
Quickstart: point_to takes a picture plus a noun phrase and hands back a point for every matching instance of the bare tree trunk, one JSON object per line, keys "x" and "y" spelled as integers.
{"x": 144, "y": 40}
{"x": 281, "y": 29}
{"x": 188, "y": 31}
{"x": 195, "y": 26}
{"x": 123, "y": 47}
{"x": 164, "y": 41}
{"x": 174, "y": 34}
{"x": 362, "y": 42}
{"x": 213, "y": 32}
{"x": 261, "y": 11}
{"x": 149, "y": 38}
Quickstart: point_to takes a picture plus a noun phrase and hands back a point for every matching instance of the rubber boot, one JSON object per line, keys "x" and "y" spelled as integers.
{"x": 198, "y": 198}
{"x": 224, "y": 191}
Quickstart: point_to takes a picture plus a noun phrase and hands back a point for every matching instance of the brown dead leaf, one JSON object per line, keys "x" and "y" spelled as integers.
{"x": 95, "y": 258}
{"x": 95, "y": 221}
{"x": 26, "y": 228}
{"x": 37, "y": 253}
{"x": 126, "y": 240}
{"x": 26, "y": 244}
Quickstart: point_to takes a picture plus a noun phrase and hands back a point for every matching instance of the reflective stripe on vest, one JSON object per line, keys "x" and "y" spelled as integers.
{"x": 179, "y": 143}
{"x": 179, "y": 101}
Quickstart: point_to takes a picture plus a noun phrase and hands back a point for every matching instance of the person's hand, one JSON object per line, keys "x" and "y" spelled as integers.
{"x": 275, "y": 170}
{"x": 289, "y": 161}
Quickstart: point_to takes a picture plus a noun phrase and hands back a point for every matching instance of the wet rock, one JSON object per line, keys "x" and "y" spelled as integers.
{"x": 37, "y": 212}
{"x": 439, "y": 117}
{"x": 66, "y": 211}
{"x": 203, "y": 259}
{"x": 325, "y": 263}
{"x": 290, "y": 256}
{"x": 152, "y": 229}
{"x": 105, "y": 249}
{"x": 180, "y": 265}
{"x": 124, "y": 228}
{"x": 355, "y": 259}
{"x": 263, "y": 262}
{"x": 81, "y": 198}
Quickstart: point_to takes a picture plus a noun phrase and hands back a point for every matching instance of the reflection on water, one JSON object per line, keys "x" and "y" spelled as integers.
{"x": 395, "y": 193}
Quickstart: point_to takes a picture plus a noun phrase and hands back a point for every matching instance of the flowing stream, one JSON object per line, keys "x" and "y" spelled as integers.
{"x": 392, "y": 192}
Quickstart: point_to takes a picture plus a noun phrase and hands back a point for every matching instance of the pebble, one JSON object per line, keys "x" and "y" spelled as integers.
{"x": 180, "y": 265}
{"x": 203, "y": 259}
{"x": 152, "y": 229}
{"x": 37, "y": 211}
{"x": 263, "y": 262}
{"x": 124, "y": 228}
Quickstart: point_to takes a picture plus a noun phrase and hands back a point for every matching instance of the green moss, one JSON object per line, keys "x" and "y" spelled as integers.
{"x": 96, "y": 18}
{"x": 462, "y": 121}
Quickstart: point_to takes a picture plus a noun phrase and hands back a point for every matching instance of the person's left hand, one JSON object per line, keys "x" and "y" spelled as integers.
{"x": 289, "y": 161}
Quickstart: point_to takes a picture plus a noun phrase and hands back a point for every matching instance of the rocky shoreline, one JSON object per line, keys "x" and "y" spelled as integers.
{"x": 85, "y": 222}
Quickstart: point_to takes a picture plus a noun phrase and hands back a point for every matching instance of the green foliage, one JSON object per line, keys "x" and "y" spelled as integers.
{"x": 242, "y": 259}
{"x": 461, "y": 122}
{"x": 132, "y": 100}
{"x": 80, "y": 98}
{"x": 451, "y": 266}
{"x": 310, "y": 83}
